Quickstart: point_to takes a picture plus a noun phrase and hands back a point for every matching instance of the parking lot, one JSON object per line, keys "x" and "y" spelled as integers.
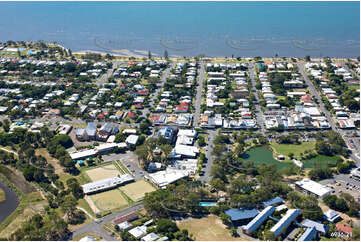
{"x": 129, "y": 160}
{"x": 343, "y": 183}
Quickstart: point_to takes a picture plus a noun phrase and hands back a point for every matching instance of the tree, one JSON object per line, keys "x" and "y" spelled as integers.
{"x": 75, "y": 188}
{"x": 323, "y": 148}
{"x": 308, "y": 58}
{"x": 68, "y": 206}
{"x": 225, "y": 219}
{"x": 233, "y": 231}
{"x": 218, "y": 184}
{"x": 166, "y": 225}
{"x": 201, "y": 141}
{"x": 149, "y": 55}
{"x": 355, "y": 234}
{"x": 269, "y": 235}
{"x": 166, "y": 54}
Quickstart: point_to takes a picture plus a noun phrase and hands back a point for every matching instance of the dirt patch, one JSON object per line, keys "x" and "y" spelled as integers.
{"x": 209, "y": 228}
{"x": 17, "y": 178}
{"x": 51, "y": 160}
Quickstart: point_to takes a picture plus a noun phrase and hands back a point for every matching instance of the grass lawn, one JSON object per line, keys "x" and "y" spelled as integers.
{"x": 285, "y": 149}
{"x": 103, "y": 172}
{"x": 84, "y": 204}
{"x": 136, "y": 190}
{"x": 2, "y": 195}
{"x": 208, "y": 228}
{"x": 109, "y": 200}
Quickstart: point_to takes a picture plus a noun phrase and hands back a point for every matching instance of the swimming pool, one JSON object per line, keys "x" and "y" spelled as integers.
{"x": 207, "y": 204}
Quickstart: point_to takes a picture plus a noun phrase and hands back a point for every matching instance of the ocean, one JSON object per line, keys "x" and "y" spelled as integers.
{"x": 189, "y": 28}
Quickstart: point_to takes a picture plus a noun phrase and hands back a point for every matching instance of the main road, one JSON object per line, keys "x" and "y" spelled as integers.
{"x": 315, "y": 93}
{"x": 259, "y": 114}
{"x": 198, "y": 101}
{"x": 104, "y": 78}
{"x": 160, "y": 85}
{"x": 96, "y": 226}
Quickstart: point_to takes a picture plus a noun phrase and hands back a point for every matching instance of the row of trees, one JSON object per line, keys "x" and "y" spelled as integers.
{"x": 345, "y": 203}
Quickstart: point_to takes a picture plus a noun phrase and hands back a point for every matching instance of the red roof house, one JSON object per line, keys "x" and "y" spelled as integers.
{"x": 343, "y": 228}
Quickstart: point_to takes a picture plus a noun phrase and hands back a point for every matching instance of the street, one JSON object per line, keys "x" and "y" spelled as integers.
{"x": 96, "y": 227}
{"x": 198, "y": 102}
{"x": 162, "y": 80}
{"x": 259, "y": 114}
{"x": 330, "y": 119}
{"x": 207, "y": 170}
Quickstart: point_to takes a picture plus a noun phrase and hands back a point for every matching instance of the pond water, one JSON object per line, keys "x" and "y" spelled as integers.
{"x": 10, "y": 204}
{"x": 320, "y": 161}
{"x": 263, "y": 155}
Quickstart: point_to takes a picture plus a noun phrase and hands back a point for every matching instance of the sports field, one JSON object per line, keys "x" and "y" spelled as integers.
{"x": 208, "y": 228}
{"x": 108, "y": 200}
{"x": 136, "y": 190}
{"x": 103, "y": 172}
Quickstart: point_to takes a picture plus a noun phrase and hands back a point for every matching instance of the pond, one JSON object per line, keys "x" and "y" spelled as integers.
{"x": 263, "y": 155}
{"x": 8, "y": 206}
{"x": 320, "y": 161}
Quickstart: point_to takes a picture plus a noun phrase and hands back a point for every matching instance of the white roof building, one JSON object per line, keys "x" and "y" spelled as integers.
{"x": 313, "y": 187}
{"x": 83, "y": 154}
{"x": 168, "y": 176}
{"x": 132, "y": 139}
{"x": 139, "y": 231}
{"x": 125, "y": 226}
{"x": 331, "y": 216}
{"x": 150, "y": 237}
{"x": 106, "y": 183}
{"x": 185, "y": 151}
{"x": 187, "y": 132}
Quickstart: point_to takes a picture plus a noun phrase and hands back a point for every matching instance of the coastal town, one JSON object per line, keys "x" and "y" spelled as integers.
{"x": 105, "y": 147}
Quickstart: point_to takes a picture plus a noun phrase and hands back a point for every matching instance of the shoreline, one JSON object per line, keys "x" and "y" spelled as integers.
{"x": 129, "y": 54}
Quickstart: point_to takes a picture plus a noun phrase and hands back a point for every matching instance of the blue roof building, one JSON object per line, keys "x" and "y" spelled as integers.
{"x": 331, "y": 216}
{"x": 91, "y": 129}
{"x": 321, "y": 228}
{"x": 258, "y": 220}
{"x": 237, "y": 214}
{"x": 168, "y": 132}
{"x": 273, "y": 201}
{"x": 308, "y": 235}
{"x": 285, "y": 221}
